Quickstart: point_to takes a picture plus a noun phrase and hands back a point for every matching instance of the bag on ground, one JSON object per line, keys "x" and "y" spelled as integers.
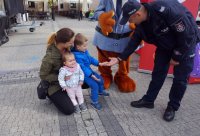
{"x": 42, "y": 89}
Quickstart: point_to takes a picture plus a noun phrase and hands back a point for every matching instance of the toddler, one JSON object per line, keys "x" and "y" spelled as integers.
{"x": 92, "y": 79}
{"x": 70, "y": 79}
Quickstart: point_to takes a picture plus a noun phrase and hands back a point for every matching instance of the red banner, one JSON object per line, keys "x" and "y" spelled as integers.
{"x": 192, "y": 5}
{"x": 147, "y": 52}
{"x": 147, "y": 59}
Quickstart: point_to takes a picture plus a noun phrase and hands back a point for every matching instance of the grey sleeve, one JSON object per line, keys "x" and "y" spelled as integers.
{"x": 100, "y": 9}
{"x": 61, "y": 77}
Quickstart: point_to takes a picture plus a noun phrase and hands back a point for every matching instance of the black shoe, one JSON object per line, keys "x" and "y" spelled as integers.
{"x": 169, "y": 114}
{"x": 142, "y": 103}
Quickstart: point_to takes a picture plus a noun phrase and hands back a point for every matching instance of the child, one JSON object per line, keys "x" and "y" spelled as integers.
{"x": 70, "y": 79}
{"x": 94, "y": 80}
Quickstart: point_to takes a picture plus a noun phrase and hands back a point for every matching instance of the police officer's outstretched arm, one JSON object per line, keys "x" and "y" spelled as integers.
{"x": 132, "y": 46}
{"x": 182, "y": 25}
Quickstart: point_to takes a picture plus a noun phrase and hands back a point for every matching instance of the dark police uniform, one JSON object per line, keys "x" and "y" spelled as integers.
{"x": 172, "y": 29}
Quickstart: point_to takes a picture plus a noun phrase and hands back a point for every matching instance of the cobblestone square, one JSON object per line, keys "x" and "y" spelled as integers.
{"x": 23, "y": 114}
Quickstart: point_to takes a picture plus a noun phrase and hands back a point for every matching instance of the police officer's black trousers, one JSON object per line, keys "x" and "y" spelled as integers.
{"x": 181, "y": 74}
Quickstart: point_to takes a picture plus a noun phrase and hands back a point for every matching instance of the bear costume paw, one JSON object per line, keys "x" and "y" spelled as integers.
{"x": 108, "y": 79}
{"x": 124, "y": 83}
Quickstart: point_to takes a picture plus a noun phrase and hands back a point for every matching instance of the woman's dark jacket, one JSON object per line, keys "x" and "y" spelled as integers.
{"x": 51, "y": 63}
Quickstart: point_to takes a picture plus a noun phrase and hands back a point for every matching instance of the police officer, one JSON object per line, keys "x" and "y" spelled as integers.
{"x": 171, "y": 28}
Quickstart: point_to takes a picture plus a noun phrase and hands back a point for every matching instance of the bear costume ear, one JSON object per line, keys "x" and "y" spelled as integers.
{"x": 132, "y": 26}
{"x": 106, "y": 22}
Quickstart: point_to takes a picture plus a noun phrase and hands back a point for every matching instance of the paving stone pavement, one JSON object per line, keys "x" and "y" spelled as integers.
{"x": 23, "y": 114}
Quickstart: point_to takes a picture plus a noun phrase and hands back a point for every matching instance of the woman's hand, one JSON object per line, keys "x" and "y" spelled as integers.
{"x": 80, "y": 83}
{"x": 65, "y": 89}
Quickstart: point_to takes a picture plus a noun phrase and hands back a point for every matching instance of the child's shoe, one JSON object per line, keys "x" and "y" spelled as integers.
{"x": 96, "y": 105}
{"x": 104, "y": 93}
{"x": 83, "y": 107}
{"x": 77, "y": 109}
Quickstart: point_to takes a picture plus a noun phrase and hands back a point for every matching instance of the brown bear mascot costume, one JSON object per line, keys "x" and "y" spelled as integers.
{"x": 111, "y": 39}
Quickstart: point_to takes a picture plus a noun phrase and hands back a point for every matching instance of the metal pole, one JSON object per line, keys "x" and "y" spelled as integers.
{"x": 53, "y": 12}
{"x": 79, "y": 10}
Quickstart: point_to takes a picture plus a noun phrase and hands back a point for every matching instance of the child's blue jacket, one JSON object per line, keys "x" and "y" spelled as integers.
{"x": 85, "y": 60}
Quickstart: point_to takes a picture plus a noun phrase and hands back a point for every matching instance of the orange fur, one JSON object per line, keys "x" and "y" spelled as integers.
{"x": 106, "y": 22}
{"x": 124, "y": 83}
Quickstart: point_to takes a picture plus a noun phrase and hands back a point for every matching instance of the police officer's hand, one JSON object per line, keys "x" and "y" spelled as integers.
{"x": 173, "y": 62}
{"x": 112, "y": 61}
{"x": 103, "y": 64}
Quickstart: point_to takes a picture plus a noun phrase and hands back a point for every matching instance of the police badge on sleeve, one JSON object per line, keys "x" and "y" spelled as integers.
{"x": 180, "y": 27}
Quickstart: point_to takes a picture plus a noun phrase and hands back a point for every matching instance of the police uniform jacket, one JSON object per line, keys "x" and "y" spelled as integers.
{"x": 169, "y": 26}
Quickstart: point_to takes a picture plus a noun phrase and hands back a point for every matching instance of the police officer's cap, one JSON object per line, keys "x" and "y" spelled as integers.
{"x": 129, "y": 8}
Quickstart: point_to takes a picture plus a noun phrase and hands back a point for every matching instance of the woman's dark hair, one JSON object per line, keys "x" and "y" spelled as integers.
{"x": 62, "y": 36}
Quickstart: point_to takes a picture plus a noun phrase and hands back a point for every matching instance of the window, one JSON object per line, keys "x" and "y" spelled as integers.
{"x": 61, "y": 6}
{"x": 72, "y": 5}
{"x": 31, "y": 4}
{"x": 2, "y": 9}
{"x": 2, "y": 5}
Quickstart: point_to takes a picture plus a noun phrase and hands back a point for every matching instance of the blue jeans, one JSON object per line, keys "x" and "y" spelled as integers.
{"x": 96, "y": 86}
{"x": 179, "y": 85}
